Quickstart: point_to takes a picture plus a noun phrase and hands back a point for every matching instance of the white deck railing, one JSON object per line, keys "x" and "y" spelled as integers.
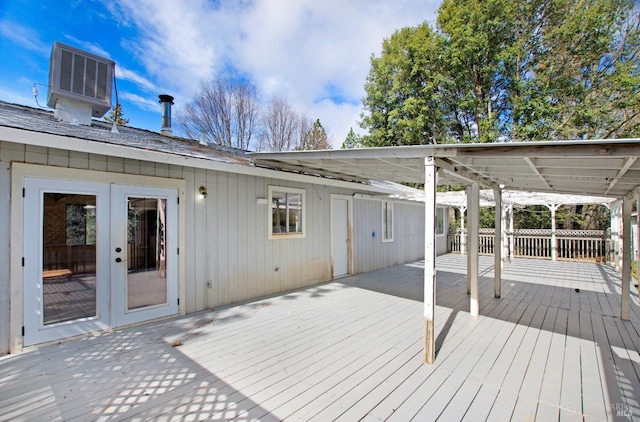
{"x": 575, "y": 245}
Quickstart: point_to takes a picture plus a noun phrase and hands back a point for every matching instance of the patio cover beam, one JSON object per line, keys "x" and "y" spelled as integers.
{"x": 461, "y": 170}
{"x": 531, "y": 164}
{"x": 627, "y": 164}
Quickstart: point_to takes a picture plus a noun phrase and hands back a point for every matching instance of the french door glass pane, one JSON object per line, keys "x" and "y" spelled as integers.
{"x": 146, "y": 252}
{"x": 68, "y": 257}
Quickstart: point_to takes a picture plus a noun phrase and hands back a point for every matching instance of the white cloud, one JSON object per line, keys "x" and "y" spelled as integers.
{"x": 89, "y": 46}
{"x": 22, "y": 96}
{"x": 141, "y": 102}
{"x": 314, "y": 54}
{"x": 131, "y": 76}
{"x": 24, "y": 36}
{"x": 337, "y": 119}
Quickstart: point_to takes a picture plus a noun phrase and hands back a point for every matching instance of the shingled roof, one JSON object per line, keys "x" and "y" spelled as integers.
{"x": 42, "y": 121}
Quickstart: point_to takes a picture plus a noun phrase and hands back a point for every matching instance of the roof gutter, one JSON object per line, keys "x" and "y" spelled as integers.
{"x": 45, "y": 140}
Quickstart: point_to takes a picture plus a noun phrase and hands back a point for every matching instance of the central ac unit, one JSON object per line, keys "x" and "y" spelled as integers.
{"x": 80, "y": 76}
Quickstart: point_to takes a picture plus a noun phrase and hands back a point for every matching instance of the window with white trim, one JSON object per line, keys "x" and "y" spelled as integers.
{"x": 439, "y": 220}
{"x": 287, "y": 212}
{"x": 387, "y": 221}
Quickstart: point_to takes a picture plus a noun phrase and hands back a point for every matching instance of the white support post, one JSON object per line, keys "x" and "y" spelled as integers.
{"x": 505, "y": 240}
{"x": 473, "y": 215}
{"x": 636, "y": 253}
{"x": 637, "y": 257}
{"x": 497, "y": 245}
{"x": 616, "y": 227}
{"x": 511, "y": 234}
{"x": 627, "y": 205}
{"x": 554, "y": 242}
{"x": 430, "y": 183}
{"x": 463, "y": 238}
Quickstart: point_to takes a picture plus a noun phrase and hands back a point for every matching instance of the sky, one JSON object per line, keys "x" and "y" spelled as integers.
{"x": 314, "y": 54}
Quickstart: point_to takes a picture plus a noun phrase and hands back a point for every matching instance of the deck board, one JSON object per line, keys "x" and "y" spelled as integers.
{"x": 352, "y": 350}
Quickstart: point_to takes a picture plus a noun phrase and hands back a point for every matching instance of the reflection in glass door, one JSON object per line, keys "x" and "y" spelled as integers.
{"x": 96, "y": 256}
{"x": 146, "y": 252}
{"x": 68, "y": 257}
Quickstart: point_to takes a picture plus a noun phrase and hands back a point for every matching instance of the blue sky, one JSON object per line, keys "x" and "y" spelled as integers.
{"x": 315, "y": 54}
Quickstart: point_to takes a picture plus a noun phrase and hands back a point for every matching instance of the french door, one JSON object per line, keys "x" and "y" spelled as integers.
{"x": 96, "y": 256}
{"x": 144, "y": 248}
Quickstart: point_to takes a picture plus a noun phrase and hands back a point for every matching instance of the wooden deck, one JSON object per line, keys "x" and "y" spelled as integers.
{"x": 553, "y": 348}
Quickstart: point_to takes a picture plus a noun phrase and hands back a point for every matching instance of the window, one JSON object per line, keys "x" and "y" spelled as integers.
{"x": 439, "y": 220}
{"x": 387, "y": 221}
{"x": 287, "y": 214}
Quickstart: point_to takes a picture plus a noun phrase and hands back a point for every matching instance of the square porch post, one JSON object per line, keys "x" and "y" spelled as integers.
{"x": 430, "y": 173}
{"x": 627, "y": 205}
{"x": 473, "y": 216}
{"x": 497, "y": 244}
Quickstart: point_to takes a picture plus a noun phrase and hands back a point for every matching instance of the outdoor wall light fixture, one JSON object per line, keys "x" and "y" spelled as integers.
{"x": 203, "y": 192}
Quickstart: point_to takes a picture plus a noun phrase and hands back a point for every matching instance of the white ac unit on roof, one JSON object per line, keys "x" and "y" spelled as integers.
{"x": 80, "y": 76}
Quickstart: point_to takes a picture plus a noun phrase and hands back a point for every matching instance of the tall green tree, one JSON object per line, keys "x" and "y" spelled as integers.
{"x": 404, "y": 91}
{"x": 503, "y": 70}
{"x": 478, "y": 38}
{"x": 580, "y": 78}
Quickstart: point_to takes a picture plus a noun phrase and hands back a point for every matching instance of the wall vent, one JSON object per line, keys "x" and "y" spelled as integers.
{"x": 81, "y": 77}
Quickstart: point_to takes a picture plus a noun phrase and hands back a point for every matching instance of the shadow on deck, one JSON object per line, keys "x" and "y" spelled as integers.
{"x": 552, "y": 348}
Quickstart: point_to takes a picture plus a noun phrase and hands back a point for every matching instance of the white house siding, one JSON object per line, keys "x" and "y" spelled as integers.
{"x": 369, "y": 251}
{"x": 441, "y": 239}
{"x": 228, "y": 256}
{"x": 230, "y": 250}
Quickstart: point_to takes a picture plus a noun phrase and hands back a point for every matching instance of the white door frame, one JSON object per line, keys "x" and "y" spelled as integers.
{"x": 36, "y": 331}
{"x": 349, "y": 200}
{"x": 121, "y": 315}
{"x": 19, "y": 171}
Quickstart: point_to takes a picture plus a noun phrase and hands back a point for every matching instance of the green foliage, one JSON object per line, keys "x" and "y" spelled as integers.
{"x": 352, "y": 141}
{"x": 581, "y": 77}
{"x": 570, "y": 217}
{"x": 116, "y": 116}
{"x": 315, "y": 138}
{"x": 404, "y": 91}
{"x": 508, "y": 70}
{"x": 478, "y": 39}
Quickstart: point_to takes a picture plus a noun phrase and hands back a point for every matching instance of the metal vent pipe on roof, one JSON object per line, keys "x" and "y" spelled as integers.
{"x": 167, "y": 102}
{"x": 203, "y": 137}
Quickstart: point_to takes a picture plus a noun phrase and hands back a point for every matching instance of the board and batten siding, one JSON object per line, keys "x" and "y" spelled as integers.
{"x": 369, "y": 251}
{"x": 230, "y": 258}
{"x": 227, "y": 253}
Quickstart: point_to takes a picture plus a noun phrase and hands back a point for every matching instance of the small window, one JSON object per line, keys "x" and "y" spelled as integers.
{"x": 439, "y": 220}
{"x": 287, "y": 213}
{"x": 387, "y": 221}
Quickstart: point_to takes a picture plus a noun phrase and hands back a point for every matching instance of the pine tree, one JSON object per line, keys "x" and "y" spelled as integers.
{"x": 115, "y": 116}
{"x": 352, "y": 141}
{"x": 315, "y": 138}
